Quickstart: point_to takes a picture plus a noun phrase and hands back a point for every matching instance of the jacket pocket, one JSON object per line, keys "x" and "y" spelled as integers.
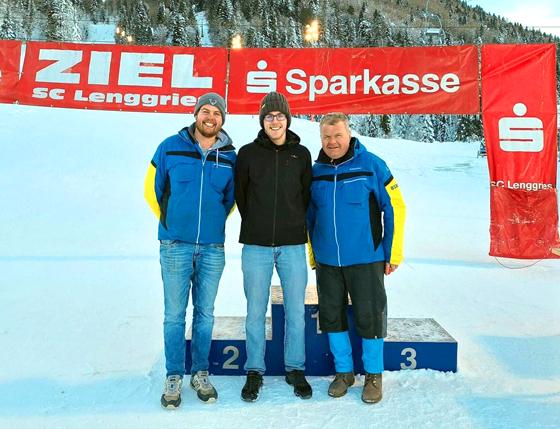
{"x": 354, "y": 191}
{"x": 182, "y": 173}
{"x": 220, "y": 175}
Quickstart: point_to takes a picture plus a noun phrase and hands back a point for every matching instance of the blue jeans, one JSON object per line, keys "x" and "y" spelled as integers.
{"x": 183, "y": 264}
{"x": 257, "y": 263}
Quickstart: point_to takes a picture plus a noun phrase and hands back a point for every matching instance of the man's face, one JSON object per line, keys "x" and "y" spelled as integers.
{"x": 209, "y": 121}
{"x": 275, "y": 124}
{"x": 335, "y": 139}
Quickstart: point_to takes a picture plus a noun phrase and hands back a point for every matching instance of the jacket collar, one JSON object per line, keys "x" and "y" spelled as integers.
{"x": 223, "y": 142}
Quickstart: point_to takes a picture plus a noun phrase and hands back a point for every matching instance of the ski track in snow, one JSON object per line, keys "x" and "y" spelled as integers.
{"x": 81, "y": 301}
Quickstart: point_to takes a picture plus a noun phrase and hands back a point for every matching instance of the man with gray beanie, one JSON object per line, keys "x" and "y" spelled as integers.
{"x": 189, "y": 186}
{"x": 272, "y": 189}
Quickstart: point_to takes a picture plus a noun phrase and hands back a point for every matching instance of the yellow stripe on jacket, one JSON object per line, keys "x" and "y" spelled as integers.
{"x": 150, "y": 190}
{"x": 399, "y": 214}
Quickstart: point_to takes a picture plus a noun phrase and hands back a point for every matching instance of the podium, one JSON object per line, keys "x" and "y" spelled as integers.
{"x": 410, "y": 343}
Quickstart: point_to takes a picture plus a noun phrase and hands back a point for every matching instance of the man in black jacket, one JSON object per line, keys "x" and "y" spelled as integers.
{"x": 272, "y": 189}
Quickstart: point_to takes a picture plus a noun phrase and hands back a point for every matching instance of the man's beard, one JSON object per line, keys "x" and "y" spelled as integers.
{"x": 201, "y": 130}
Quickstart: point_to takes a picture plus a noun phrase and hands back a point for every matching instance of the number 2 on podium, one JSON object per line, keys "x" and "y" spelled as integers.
{"x": 230, "y": 361}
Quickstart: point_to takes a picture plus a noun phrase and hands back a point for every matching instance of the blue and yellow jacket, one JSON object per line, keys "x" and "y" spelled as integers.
{"x": 191, "y": 192}
{"x": 357, "y": 213}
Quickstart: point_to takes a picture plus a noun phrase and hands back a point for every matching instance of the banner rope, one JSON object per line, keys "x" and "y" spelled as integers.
{"x": 518, "y": 268}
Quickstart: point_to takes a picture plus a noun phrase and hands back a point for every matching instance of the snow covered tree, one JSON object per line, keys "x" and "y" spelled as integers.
{"x": 469, "y": 128}
{"x": 348, "y": 32}
{"x": 365, "y": 33}
{"x": 183, "y": 33}
{"x": 95, "y": 9}
{"x": 140, "y": 25}
{"x": 426, "y": 129}
{"x": 8, "y": 28}
{"x": 314, "y": 8}
{"x": 62, "y": 21}
{"x": 385, "y": 125}
{"x": 28, "y": 18}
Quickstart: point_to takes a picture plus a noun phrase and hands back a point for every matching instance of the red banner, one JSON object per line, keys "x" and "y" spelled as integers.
{"x": 120, "y": 77}
{"x": 520, "y": 128}
{"x": 364, "y": 80}
{"x": 10, "y": 54}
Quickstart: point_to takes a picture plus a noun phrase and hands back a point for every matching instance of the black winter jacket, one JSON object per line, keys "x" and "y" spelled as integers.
{"x": 272, "y": 191}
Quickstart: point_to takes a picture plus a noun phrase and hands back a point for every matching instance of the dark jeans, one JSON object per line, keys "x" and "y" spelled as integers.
{"x": 365, "y": 284}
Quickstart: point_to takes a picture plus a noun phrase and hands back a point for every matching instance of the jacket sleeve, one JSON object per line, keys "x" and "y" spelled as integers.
{"x": 241, "y": 182}
{"x": 154, "y": 183}
{"x": 306, "y": 179}
{"x": 311, "y": 214}
{"x": 229, "y": 194}
{"x": 394, "y": 213}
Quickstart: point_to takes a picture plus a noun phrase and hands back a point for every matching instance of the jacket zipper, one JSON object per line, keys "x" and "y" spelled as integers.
{"x": 200, "y": 197}
{"x": 334, "y": 208}
{"x": 275, "y": 198}
{"x": 334, "y": 216}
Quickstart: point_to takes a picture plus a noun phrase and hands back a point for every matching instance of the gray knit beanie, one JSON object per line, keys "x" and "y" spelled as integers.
{"x": 212, "y": 99}
{"x": 274, "y": 102}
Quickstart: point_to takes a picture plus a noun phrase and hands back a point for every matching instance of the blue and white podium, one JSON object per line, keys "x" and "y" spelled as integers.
{"x": 410, "y": 343}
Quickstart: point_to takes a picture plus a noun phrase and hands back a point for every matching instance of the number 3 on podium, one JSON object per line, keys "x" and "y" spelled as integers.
{"x": 410, "y": 354}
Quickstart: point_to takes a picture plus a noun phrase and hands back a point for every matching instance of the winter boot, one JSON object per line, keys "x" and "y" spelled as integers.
{"x": 297, "y": 379}
{"x": 339, "y": 386}
{"x": 252, "y": 388}
{"x": 171, "y": 397}
{"x": 372, "y": 392}
{"x": 204, "y": 389}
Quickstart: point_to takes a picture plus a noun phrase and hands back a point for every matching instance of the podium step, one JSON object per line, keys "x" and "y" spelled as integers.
{"x": 410, "y": 343}
{"x": 232, "y": 328}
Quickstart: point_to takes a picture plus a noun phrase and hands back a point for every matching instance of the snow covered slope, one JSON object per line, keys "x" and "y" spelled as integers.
{"x": 81, "y": 300}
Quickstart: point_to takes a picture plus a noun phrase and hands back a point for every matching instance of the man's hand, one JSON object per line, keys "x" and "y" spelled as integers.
{"x": 389, "y": 268}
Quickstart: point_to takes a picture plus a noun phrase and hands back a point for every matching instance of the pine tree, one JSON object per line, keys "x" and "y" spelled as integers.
{"x": 315, "y": 8}
{"x": 385, "y": 125}
{"x": 380, "y": 29}
{"x": 294, "y": 36}
{"x": 326, "y": 30}
{"x": 28, "y": 18}
{"x": 426, "y": 130}
{"x": 365, "y": 33}
{"x": 8, "y": 28}
{"x": 179, "y": 33}
{"x": 162, "y": 14}
{"x": 94, "y": 8}
{"x": 140, "y": 25}
{"x": 62, "y": 21}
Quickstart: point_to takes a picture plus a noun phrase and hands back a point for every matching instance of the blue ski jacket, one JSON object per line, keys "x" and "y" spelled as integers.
{"x": 190, "y": 191}
{"x": 357, "y": 213}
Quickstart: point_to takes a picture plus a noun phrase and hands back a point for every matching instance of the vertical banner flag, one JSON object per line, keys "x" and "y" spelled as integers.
{"x": 120, "y": 77}
{"x": 520, "y": 128}
{"x": 358, "y": 80}
{"x": 10, "y": 55}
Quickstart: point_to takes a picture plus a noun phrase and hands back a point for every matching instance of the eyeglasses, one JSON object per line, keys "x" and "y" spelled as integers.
{"x": 278, "y": 116}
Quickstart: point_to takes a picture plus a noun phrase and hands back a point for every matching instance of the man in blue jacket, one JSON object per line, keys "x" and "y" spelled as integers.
{"x": 190, "y": 188}
{"x": 356, "y": 223}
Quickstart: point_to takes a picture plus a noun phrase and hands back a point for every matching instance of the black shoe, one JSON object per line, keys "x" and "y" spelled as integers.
{"x": 252, "y": 388}
{"x": 301, "y": 386}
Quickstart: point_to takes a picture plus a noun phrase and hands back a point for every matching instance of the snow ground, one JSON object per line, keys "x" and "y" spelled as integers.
{"x": 81, "y": 301}
{"x": 203, "y": 28}
{"x": 101, "y": 33}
